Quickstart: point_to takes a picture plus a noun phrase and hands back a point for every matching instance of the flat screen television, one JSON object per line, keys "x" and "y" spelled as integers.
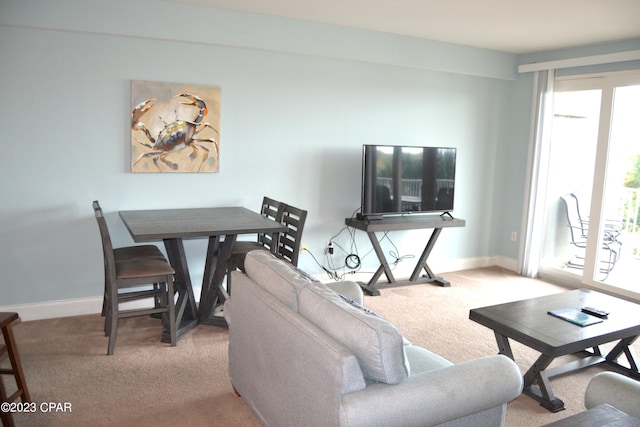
{"x": 403, "y": 179}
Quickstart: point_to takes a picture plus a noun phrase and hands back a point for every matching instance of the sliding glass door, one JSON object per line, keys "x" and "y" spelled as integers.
{"x": 591, "y": 204}
{"x": 618, "y": 223}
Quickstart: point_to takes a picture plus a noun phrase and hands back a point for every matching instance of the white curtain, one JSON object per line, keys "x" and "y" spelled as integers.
{"x": 542, "y": 119}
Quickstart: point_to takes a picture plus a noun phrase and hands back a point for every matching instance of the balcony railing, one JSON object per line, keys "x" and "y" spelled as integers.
{"x": 629, "y": 209}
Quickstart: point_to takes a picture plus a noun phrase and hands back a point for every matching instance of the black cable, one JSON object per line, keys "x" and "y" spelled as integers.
{"x": 332, "y": 275}
{"x": 352, "y": 261}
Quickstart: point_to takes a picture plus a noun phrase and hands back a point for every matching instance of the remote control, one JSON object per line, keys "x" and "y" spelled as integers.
{"x": 595, "y": 312}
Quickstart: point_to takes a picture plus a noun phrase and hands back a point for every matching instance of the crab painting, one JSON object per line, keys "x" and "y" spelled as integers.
{"x": 170, "y": 134}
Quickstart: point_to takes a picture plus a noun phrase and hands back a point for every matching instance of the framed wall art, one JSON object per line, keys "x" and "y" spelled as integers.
{"x": 175, "y": 127}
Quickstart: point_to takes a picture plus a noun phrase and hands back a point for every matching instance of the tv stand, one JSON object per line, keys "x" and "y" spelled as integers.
{"x": 403, "y": 223}
{"x": 369, "y": 217}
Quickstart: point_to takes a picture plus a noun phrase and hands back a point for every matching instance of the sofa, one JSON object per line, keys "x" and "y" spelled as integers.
{"x": 614, "y": 389}
{"x": 306, "y": 353}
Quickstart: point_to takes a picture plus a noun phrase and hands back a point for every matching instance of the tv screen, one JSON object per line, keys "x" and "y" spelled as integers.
{"x": 398, "y": 180}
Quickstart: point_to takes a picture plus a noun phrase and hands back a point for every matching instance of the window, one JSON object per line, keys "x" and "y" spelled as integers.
{"x": 590, "y": 233}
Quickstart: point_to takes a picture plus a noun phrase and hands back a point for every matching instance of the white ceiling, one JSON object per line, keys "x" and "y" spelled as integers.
{"x": 515, "y": 26}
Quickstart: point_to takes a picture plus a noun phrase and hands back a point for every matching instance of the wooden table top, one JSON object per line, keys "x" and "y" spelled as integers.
{"x": 193, "y": 223}
{"x": 528, "y": 321}
{"x": 404, "y": 222}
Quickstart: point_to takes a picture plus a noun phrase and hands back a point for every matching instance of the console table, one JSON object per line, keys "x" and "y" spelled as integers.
{"x": 403, "y": 223}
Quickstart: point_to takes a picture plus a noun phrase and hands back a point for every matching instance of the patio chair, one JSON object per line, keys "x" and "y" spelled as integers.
{"x": 612, "y": 227}
{"x": 578, "y": 231}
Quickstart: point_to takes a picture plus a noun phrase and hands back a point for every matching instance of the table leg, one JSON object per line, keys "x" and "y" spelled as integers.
{"x": 538, "y": 386}
{"x": 504, "y": 347}
{"x": 536, "y": 380}
{"x": 186, "y": 311}
{"x": 422, "y": 262}
{"x": 624, "y": 347}
{"x": 210, "y": 263}
{"x": 369, "y": 288}
{"x": 381, "y": 257}
{"x": 213, "y": 300}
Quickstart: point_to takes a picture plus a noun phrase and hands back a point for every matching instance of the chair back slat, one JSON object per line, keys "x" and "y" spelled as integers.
{"x": 290, "y": 240}
{"x": 271, "y": 209}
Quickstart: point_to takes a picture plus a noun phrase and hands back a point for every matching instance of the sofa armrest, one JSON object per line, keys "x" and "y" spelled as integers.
{"x": 433, "y": 397}
{"x": 287, "y": 370}
{"x": 349, "y": 289}
{"x": 615, "y": 389}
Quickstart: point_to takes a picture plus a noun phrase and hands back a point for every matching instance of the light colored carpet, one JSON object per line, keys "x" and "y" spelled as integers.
{"x": 148, "y": 383}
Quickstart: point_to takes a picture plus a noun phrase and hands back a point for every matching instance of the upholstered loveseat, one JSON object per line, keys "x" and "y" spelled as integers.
{"x": 306, "y": 354}
{"x": 614, "y": 389}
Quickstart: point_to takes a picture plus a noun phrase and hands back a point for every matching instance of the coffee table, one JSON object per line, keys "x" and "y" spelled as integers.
{"x": 528, "y": 322}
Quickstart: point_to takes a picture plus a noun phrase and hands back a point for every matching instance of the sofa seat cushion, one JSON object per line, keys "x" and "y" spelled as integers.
{"x": 376, "y": 343}
{"x": 422, "y": 360}
{"x": 278, "y": 277}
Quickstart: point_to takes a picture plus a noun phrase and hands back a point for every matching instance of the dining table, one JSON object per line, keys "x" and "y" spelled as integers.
{"x": 221, "y": 226}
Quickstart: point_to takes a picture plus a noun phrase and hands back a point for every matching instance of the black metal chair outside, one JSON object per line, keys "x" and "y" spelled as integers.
{"x": 578, "y": 232}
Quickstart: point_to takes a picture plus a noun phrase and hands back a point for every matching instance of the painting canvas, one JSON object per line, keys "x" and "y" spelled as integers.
{"x": 175, "y": 127}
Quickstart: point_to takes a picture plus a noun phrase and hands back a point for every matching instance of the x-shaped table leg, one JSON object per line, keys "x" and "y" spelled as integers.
{"x": 536, "y": 381}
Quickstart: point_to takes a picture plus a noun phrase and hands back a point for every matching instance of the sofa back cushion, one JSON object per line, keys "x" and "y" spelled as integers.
{"x": 376, "y": 343}
{"x": 279, "y": 277}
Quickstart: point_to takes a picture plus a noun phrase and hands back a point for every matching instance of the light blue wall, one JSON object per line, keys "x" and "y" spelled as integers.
{"x": 304, "y": 96}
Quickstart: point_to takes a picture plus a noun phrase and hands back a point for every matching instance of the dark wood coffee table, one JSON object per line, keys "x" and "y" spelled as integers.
{"x": 527, "y": 322}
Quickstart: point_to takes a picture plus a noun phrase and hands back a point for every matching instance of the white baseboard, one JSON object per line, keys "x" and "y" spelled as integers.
{"x": 443, "y": 266}
{"x": 70, "y": 307}
{"x": 93, "y": 305}
{"x": 506, "y": 263}
{"x": 53, "y": 309}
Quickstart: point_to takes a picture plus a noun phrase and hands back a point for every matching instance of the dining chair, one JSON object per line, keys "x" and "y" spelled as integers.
{"x": 135, "y": 278}
{"x": 127, "y": 253}
{"x": 290, "y": 240}
{"x": 272, "y": 209}
{"x": 9, "y": 347}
